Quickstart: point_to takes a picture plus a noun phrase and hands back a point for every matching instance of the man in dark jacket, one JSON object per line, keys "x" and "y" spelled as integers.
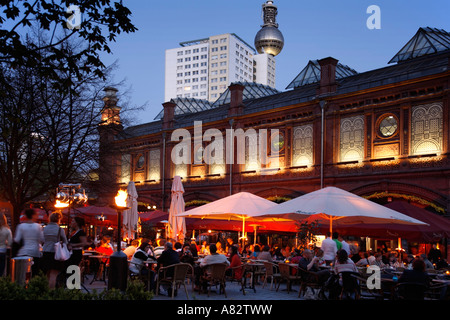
{"x": 167, "y": 258}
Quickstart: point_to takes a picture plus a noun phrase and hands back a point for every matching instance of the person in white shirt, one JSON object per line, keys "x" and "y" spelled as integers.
{"x": 5, "y": 241}
{"x": 345, "y": 245}
{"x": 214, "y": 257}
{"x": 32, "y": 235}
{"x": 130, "y": 250}
{"x": 329, "y": 248}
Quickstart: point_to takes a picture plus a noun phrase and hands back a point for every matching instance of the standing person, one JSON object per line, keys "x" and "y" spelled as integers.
{"x": 32, "y": 236}
{"x": 52, "y": 234}
{"x": 77, "y": 241}
{"x": 434, "y": 255}
{"x": 344, "y": 244}
{"x": 5, "y": 241}
{"x": 329, "y": 248}
{"x": 336, "y": 239}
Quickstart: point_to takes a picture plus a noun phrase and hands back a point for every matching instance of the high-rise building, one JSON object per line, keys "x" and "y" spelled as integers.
{"x": 204, "y": 68}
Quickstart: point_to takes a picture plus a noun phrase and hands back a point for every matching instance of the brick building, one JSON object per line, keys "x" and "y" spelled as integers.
{"x": 384, "y": 134}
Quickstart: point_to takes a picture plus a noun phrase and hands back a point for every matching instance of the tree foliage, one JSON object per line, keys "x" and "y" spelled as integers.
{"x": 51, "y": 90}
{"x": 102, "y": 21}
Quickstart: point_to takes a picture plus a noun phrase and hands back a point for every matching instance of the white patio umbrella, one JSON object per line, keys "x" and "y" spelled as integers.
{"x": 240, "y": 206}
{"x": 130, "y": 216}
{"x": 337, "y": 206}
{"x": 177, "y": 224}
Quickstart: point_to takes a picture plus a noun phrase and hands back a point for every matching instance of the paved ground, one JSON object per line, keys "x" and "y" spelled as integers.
{"x": 233, "y": 290}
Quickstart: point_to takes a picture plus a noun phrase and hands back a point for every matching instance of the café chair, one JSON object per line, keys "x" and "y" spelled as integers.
{"x": 309, "y": 280}
{"x": 272, "y": 272}
{"x": 175, "y": 275}
{"x": 287, "y": 275}
{"x": 410, "y": 291}
{"x": 365, "y": 292}
{"x": 215, "y": 275}
{"x": 232, "y": 276}
{"x": 350, "y": 284}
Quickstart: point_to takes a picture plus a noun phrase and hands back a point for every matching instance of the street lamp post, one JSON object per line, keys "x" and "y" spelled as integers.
{"x": 118, "y": 263}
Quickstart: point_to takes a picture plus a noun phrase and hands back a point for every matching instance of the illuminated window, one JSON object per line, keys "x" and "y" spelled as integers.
{"x": 352, "y": 139}
{"x": 427, "y": 128}
{"x": 302, "y": 153}
{"x": 388, "y": 126}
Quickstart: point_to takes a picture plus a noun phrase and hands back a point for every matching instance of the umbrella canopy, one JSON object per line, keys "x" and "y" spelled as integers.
{"x": 177, "y": 224}
{"x": 338, "y": 207}
{"x": 438, "y": 227}
{"x": 241, "y": 206}
{"x": 130, "y": 216}
{"x": 235, "y": 207}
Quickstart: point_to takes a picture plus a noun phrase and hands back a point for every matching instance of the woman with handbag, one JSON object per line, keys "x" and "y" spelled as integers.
{"x": 52, "y": 235}
{"x": 30, "y": 234}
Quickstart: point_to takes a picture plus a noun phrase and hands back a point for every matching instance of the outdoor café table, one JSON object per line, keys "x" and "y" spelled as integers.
{"x": 102, "y": 259}
{"x": 252, "y": 268}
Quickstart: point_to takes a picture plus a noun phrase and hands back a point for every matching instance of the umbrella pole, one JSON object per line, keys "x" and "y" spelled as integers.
{"x": 243, "y": 232}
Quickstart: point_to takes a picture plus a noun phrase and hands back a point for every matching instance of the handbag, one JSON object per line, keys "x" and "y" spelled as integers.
{"x": 62, "y": 253}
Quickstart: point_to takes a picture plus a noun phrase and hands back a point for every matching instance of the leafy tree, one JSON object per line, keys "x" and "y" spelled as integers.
{"x": 101, "y": 22}
{"x": 51, "y": 90}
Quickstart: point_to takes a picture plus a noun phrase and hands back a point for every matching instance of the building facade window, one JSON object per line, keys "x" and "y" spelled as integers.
{"x": 351, "y": 139}
{"x": 427, "y": 128}
{"x": 302, "y": 145}
{"x": 154, "y": 172}
{"x": 125, "y": 168}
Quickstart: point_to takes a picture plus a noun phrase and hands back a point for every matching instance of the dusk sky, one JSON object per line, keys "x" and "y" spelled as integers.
{"x": 311, "y": 29}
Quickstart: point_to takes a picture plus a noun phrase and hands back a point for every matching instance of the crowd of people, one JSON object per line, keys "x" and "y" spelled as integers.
{"x": 31, "y": 239}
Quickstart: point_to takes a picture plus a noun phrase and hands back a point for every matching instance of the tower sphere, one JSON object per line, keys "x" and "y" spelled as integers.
{"x": 269, "y": 39}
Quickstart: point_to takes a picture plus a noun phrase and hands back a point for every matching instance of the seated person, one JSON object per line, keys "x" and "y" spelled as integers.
{"x": 186, "y": 255}
{"x": 378, "y": 261}
{"x": 213, "y": 258}
{"x": 417, "y": 274}
{"x": 296, "y": 256}
{"x": 105, "y": 248}
{"x": 235, "y": 262}
{"x": 363, "y": 262}
{"x": 219, "y": 248}
{"x": 137, "y": 263}
{"x": 265, "y": 254}
{"x": 131, "y": 249}
{"x": 308, "y": 263}
{"x": 343, "y": 263}
{"x": 167, "y": 258}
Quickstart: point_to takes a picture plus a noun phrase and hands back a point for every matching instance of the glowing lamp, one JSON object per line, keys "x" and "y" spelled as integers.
{"x": 61, "y": 205}
{"x": 121, "y": 198}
